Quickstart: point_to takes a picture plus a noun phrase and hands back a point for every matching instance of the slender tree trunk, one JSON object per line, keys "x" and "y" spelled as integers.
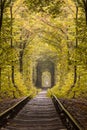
{"x": 1, "y": 13}
{"x": 2, "y": 5}
{"x": 9, "y": 82}
{"x": 75, "y": 62}
{"x": 21, "y": 62}
{"x": 12, "y": 75}
{"x": 76, "y": 46}
{"x": 75, "y": 75}
{"x": 11, "y": 23}
{"x": 86, "y": 16}
{"x": 21, "y": 54}
{"x": 85, "y": 8}
{"x": 0, "y": 77}
{"x": 86, "y": 11}
{"x": 12, "y": 67}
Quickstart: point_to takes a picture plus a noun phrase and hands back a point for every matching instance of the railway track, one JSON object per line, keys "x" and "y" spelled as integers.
{"x": 40, "y": 113}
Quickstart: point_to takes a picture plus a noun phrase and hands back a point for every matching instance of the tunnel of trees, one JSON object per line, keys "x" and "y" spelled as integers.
{"x": 43, "y": 38}
{"x": 45, "y": 66}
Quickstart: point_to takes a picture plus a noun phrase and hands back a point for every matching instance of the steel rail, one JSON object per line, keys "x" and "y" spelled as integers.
{"x": 66, "y": 117}
{"x": 12, "y": 111}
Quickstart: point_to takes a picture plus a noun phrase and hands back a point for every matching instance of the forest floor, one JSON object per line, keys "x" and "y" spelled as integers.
{"x": 78, "y": 109}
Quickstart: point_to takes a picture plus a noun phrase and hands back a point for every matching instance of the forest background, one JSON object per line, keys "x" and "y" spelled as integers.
{"x": 33, "y": 30}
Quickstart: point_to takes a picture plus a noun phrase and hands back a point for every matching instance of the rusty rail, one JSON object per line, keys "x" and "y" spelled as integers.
{"x": 11, "y": 112}
{"x": 66, "y": 117}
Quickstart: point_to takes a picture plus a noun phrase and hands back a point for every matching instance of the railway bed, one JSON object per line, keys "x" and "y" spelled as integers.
{"x": 39, "y": 113}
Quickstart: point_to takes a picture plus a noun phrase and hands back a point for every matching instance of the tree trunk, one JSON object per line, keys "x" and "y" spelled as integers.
{"x": 12, "y": 67}
{"x": 21, "y": 61}
{"x": 0, "y": 77}
{"x": 75, "y": 75}
{"x": 2, "y": 4}
{"x": 76, "y": 46}
{"x": 86, "y": 11}
{"x": 12, "y": 75}
{"x": 21, "y": 54}
{"x": 85, "y": 8}
{"x": 75, "y": 62}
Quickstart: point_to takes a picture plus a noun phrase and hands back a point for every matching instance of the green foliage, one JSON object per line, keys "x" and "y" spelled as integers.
{"x": 52, "y": 7}
{"x": 61, "y": 91}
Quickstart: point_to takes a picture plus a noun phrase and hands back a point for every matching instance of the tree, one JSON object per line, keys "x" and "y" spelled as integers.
{"x": 23, "y": 44}
{"x": 3, "y": 5}
{"x": 85, "y": 8}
